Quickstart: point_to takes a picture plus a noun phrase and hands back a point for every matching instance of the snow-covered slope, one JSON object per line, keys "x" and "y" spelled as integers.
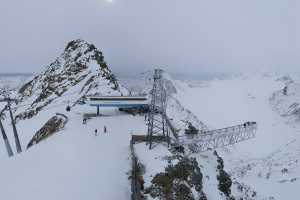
{"x": 184, "y": 105}
{"x": 269, "y": 162}
{"x": 73, "y": 163}
{"x": 181, "y": 116}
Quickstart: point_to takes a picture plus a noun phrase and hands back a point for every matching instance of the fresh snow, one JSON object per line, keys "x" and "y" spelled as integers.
{"x": 74, "y": 163}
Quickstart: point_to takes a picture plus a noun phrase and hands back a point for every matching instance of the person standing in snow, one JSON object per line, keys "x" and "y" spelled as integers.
{"x": 96, "y": 132}
{"x": 68, "y": 108}
{"x": 104, "y": 129}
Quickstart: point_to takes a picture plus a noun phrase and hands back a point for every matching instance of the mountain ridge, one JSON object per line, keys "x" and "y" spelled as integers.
{"x": 79, "y": 71}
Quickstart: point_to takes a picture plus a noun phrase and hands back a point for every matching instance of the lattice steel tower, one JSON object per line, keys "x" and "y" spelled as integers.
{"x": 157, "y": 120}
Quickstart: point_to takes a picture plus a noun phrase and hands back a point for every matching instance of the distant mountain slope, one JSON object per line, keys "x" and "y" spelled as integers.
{"x": 13, "y": 80}
{"x": 287, "y": 101}
{"x": 181, "y": 116}
{"x": 80, "y": 70}
{"x": 9, "y": 83}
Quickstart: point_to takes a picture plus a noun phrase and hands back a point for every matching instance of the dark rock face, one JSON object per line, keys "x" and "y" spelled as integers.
{"x": 177, "y": 181}
{"x": 224, "y": 179}
{"x": 52, "y": 126}
{"x": 248, "y": 193}
{"x": 80, "y": 66}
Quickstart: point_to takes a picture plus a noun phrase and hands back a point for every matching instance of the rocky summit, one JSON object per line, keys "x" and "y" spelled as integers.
{"x": 80, "y": 70}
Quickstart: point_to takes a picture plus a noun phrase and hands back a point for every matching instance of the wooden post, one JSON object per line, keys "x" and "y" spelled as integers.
{"x": 98, "y": 111}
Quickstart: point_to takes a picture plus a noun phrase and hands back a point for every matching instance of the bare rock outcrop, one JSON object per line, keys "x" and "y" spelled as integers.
{"x": 52, "y": 126}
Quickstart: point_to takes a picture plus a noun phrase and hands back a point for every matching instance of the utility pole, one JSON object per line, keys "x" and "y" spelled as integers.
{"x": 4, "y": 136}
{"x": 17, "y": 141}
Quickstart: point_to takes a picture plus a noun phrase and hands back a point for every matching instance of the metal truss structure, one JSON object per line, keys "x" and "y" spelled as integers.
{"x": 208, "y": 140}
{"x": 157, "y": 120}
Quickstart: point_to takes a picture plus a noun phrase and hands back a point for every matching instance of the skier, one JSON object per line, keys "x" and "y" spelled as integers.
{"x": 104, "y": 129}
{"x": 84, "y": 121}
{"x": 96, "y": 132}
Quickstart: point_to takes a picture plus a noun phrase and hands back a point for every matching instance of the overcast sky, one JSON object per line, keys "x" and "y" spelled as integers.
{"x": 182, "y": 36}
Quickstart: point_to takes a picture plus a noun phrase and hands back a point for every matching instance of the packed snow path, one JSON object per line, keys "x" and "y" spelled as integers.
{"x": 74, "y": 163}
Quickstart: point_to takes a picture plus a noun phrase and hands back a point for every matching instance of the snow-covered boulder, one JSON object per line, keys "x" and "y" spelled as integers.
{"x": 80, "y": 70}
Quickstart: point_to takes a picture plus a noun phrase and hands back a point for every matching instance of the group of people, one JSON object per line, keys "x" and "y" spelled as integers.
{"x": 248, "y": 124}
{"x": 96, "y": 130}
{"x": 104, "y": 131}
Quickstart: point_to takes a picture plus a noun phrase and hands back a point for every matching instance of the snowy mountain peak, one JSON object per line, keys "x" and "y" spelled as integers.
{"x": 82, "y": 52}
{"x": 80, "y": 70}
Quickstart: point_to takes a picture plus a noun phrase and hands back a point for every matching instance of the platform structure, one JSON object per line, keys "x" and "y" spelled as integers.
{"x": 213, "y": 139}
{"x": 117, "y": 102}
